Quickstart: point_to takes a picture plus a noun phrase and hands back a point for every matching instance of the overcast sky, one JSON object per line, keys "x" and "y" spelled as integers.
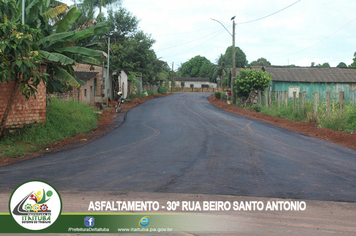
{"x": 309, "y": 31}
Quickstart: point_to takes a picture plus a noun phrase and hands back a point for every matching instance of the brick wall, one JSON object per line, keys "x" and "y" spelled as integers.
{"x": 23, "y": 111}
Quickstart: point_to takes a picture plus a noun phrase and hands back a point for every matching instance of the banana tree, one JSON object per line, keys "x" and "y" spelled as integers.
{"x": 54, "y": 19}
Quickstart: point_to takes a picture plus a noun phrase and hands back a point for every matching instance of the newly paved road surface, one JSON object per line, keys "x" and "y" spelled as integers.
{"x": 183, "y": 144}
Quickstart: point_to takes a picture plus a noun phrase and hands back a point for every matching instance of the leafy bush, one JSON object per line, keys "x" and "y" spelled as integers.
{"x": 218, "y": 95}
{"x": 161, "y": 89}
{"x": 249, "y": 80}
{"x": 150, "y": 92}
{"x": 255, "y": 108}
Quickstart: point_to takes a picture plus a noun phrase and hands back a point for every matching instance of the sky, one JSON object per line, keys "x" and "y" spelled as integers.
{"x": 308, "y": 31}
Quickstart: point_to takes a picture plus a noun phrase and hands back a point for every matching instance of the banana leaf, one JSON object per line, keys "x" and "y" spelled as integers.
{"x": 63, "y": 74}
{"x": 55, "y": 38}
{"x": 54, "y": 12}
{"x": 79, "y": 50}
{"x": 57, "y": 57}
{"x": 67, "y": 20}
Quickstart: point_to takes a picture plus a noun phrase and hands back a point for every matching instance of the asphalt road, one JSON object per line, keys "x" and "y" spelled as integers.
{"x": 184, "y": 144}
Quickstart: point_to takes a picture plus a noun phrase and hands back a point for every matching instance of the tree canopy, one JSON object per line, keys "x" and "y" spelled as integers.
{"x": 240, "y": 57}
{"x": 197, "y": 66}
{"x": 260, "y": 62}
{"x": 342, "y": 64}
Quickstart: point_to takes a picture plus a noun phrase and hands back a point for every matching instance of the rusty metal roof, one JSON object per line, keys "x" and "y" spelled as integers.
{"x": 312, "y": 74}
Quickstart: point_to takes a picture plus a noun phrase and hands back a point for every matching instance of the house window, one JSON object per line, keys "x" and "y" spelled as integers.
{"x": 292, "y": 89}
{"x": 352, "y": 87}
{"x": 85, "y": 92}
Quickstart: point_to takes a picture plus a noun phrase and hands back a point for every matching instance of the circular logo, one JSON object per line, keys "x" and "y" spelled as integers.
{"x": 35, "y": 205}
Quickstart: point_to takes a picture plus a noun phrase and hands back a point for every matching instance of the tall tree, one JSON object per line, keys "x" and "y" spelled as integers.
{"x": 260, "y": 62}
{"x": 20, "y": 59}
{"x": 240, "y": 57}
{"x": 341, "y": 64}
{"x": 100, "y": 4}
{"x": 221, "y": 70}
{"x": 325, "y": 64}
{"x": 131, "y": 49}
{"x": 198, "y": 66}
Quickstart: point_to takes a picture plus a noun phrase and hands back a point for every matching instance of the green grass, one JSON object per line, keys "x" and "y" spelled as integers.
{"x": 64, "y": 119}
{"x": 343, "y": 121}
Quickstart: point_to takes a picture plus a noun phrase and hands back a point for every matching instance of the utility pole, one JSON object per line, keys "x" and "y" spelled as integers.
{"x": 23, "y": 12}
{"x": 107, "y": 75}
{"x": 172, "y": 77}
{"x": 233, "y": 64}
{"x": 233, "y": 72}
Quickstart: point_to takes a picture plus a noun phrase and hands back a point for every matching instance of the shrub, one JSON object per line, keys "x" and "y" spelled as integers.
{"x": 161, "y": 89}
{"x": 218, "y": 95}
{"x": 150, "y": 92}
{"x": 255, "y": 108}
{"x": 249, "y": 80}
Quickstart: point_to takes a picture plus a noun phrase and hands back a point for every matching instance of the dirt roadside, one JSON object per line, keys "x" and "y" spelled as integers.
{"x": 310, "y": 129}
{"x": 108, "y": 121}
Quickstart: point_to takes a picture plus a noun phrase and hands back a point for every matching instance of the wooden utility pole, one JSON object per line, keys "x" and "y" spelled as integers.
{"x": 172, "y": 78}
{"x": 233, "y": 64}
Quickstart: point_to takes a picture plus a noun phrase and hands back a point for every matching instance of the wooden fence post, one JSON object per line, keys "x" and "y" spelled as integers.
{"x": 316, "y": 101}
{"x": 277, "y": 98}
{"x": 328, "y": 108}
{"x": 294, "y": 99}
{"x": 266, "y": 98}
{"x": 270, "y": 98}
{"x": 304, "y": 98}
{"x": 259, "y": 98}
{"x": 342, "y": 101}
{"x": 286, "y": 98}
{"x": 300, "y": 102}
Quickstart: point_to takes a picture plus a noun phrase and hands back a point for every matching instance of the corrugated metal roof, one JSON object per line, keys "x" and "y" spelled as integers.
{"x": 312, "y": 74}
{"x": 189, "y": 79}
{"x": 85, "y": 75}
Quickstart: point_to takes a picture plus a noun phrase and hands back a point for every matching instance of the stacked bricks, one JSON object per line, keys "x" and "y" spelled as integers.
{"x": 23, "y": 111}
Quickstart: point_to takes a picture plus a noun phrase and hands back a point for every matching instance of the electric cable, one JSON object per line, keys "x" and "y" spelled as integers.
{"x": 316, "y": 42}
{"x": 198, "y": 45}
{"x": 246, "y": 22}
{"x": 164, "y": 49}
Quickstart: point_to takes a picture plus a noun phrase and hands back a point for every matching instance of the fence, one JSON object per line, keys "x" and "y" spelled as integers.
{"x": 299, "y": 100}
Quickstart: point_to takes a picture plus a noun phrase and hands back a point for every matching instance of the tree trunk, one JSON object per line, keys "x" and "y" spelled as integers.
{"x": 8, "y": 106}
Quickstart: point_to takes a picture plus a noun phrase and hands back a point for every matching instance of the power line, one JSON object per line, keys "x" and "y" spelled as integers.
{"x": 164, "y": 49}
{"x": 187, "y": 32}
{"x": 246, "y": 22}
{"x": 198, "y": 45}
{"x": 318, "y": 41}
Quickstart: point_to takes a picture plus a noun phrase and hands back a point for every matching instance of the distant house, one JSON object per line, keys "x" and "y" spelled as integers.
{"x": 122, "y": 83}
{"x": 313, "y": 79}
{"x": 191, "y": 82}
{"x": 89, "y": 91}
{"x": 94, "y": 91}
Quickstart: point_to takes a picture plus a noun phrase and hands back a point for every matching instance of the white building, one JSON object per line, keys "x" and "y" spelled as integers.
{"x": 191, "y": 82}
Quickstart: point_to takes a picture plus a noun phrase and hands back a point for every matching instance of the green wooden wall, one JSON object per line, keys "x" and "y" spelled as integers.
{"x": 322, "y": 88}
